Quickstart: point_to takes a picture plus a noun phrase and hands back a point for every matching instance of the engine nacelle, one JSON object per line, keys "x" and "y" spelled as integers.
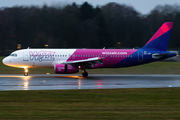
{"x": 65, "y": 69}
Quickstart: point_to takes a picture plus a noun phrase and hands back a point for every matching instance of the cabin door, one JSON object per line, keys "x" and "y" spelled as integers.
{"x": 25, "y": 55}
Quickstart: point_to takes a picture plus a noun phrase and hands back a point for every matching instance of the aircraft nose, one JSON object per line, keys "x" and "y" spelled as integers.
{"x": 5, "y": 61}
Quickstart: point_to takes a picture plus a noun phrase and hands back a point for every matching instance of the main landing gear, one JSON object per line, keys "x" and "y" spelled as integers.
{"x": 85, "y": 74}
{"x": 25, "y": 71}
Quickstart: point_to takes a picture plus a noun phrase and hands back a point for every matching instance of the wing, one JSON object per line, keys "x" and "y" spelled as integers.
{"x": 86, "y": 62}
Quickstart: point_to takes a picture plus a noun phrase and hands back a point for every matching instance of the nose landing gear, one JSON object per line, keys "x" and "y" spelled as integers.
{"x": 25, "y": 71}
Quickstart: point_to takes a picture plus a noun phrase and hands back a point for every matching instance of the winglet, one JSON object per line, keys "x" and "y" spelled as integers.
{"x": 160, "y": 40}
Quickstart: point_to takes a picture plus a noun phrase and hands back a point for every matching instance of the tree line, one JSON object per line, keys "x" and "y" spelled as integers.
{"x": 84, "y": 26}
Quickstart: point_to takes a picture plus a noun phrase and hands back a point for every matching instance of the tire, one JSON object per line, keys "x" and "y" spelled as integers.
{"x": 85, "y": 74}
{"x": 25, "y": 74}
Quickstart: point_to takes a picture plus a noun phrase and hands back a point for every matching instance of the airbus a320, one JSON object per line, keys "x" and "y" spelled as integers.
{"x": 67, "y": 61}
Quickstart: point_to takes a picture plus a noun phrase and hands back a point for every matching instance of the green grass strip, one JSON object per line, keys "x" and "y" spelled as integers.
{"x": 112, "y": 104}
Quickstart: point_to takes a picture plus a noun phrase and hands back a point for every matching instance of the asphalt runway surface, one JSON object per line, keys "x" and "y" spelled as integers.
{"x": 61, "y": 82}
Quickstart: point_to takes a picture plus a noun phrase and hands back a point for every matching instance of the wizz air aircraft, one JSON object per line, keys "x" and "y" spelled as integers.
{"x": 66, "y": 61}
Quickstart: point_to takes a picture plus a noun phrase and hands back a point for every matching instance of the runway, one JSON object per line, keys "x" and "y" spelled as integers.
{"x": 94, "y": 81}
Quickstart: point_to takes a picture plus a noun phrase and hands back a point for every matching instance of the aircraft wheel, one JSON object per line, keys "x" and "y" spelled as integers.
{"x": 85, "y": 74}
{"x": 25, "y": 71}
{"x": 26, "y": 74}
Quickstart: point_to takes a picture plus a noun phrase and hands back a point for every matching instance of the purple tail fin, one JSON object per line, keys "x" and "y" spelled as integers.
{"x": 160, "y": 39}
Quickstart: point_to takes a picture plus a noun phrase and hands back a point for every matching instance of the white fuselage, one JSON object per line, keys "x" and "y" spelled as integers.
{"x": 34, "y": 58}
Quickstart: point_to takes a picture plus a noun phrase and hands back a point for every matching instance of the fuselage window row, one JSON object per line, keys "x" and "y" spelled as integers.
{"x": 15, "y": 55}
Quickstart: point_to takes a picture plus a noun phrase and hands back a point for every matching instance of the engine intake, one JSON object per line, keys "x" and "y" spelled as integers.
{"x": 65, "y": 69}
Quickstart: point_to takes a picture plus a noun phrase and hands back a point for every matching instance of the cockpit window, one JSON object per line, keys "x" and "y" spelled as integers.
{"x": 13, "y": 55}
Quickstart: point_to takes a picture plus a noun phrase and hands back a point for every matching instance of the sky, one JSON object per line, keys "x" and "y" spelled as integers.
{"x": 143, "y": 6}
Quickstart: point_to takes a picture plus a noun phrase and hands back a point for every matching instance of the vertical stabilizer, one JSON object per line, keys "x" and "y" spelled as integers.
{"x": 160, "y": 39}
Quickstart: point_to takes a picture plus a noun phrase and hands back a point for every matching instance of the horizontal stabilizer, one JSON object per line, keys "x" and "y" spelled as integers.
{"x": 158, "y": 55}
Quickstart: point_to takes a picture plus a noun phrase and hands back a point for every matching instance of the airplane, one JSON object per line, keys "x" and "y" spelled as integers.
{"x": 67, "y": 61}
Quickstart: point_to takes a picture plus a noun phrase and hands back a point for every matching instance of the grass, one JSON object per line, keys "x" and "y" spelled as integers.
{"x": 151, "y": 68}
{"x": 122, "y": 104}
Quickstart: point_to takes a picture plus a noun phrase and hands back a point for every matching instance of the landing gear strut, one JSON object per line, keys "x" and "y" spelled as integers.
{"x": 85, "y": 74}
{"x": 25, "y": 71}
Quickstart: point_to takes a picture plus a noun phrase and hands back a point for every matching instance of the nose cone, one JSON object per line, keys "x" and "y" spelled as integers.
{"x": 5, "y": 61}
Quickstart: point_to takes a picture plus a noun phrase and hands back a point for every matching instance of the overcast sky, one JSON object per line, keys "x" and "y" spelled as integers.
{"x": 143, "y": 6}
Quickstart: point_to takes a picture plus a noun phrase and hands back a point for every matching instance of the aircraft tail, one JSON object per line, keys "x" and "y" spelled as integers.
{"x": 160, "y": 39}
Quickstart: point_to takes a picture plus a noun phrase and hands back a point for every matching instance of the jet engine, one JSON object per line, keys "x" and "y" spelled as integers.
{"x": 65, "y": 68}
